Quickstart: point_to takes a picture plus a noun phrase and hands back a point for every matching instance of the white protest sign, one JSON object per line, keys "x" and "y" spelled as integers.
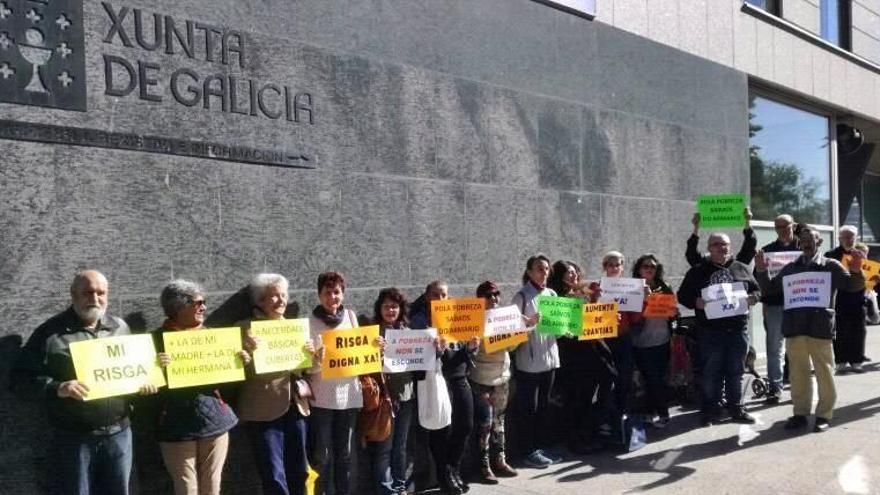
{"x": 724, "y": 300}
{"x": 628, "y": 293}
{"x": 775, "y": 261}
{"x": 503, "y": 321}
{"x": 409, "y": 350}
{"x": 807, "y": 290}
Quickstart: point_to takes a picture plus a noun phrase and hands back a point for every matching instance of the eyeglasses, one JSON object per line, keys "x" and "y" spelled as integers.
{"x": 197, "y": 302}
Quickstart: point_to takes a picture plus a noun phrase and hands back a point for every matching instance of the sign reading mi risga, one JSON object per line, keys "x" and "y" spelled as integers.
{"x": 154, "y": 32}
{"x": 42, "y": 53}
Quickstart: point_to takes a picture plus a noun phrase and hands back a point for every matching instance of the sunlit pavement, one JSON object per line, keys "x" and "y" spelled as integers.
{"x": 731, "y": 458}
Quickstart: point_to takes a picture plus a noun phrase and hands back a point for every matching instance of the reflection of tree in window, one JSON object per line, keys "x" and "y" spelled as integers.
{"x": 780, "y": 185}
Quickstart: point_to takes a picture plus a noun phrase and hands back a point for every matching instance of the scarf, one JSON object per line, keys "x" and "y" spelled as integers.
{"x": 331, "y": 320}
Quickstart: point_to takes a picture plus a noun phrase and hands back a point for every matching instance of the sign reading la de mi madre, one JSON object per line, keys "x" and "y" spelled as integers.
{"x": 42, "y": 63}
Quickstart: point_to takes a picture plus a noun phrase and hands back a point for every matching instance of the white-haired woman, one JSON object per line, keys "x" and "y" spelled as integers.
{"x": 194, "y": 422}
{"x": 270, "y": 403}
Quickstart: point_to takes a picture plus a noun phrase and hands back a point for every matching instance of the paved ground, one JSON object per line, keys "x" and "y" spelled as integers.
{"x": 739, "y": 459}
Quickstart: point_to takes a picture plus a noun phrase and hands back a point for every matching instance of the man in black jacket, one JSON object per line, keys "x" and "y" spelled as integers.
{"x": 723, "y": 341}
{"x": 92, "y": 439}
{"x": 809, "y": 330}
{"x": 772, "y": 305}
{"x": 746, "y": 252}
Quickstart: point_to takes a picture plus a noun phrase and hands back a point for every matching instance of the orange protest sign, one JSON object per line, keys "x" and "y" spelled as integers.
{"x": 459, "y": 320}
{"x": 870, "y": 269}
{"x": 660, "y": 306}
{"x": 351, "y": 352}
{"x": 495, "y": 343}
{"x": 600, "y": 321}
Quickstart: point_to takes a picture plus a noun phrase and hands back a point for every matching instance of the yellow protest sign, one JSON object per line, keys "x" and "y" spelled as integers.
{"x": 870, "y": 269}
{"x": 660, "y": 306}
{"x": 116, "y": 365}
{"x": 495, "y": 343}
{"x": 202, "y": 357}
{"x": 351, "y": 352}
{"x": 459, "y": 320}
{"x": 281, "y": 345}
{"x": 600, "y": 321}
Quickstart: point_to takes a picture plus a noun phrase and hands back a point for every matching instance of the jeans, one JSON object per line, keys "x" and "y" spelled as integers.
{"x": 723, "y": 353}
{"x": 653, "y": 363}
{"x": 532, "y": 398}
{"x": 622, "y": 351}
{"x": 775, "y": 347}
{"x": 332, "y": 432}
{"x": 389, "y": 457}
{"x": 92, "y": 464}
{"x": 448, "y": 444}
{"x": 280, "y": 452}
{"x": 490, "y": 406}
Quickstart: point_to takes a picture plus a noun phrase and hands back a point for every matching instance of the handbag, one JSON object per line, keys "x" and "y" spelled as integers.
{"x": 302, "y": 392}
{"x": 376, "y": 414}
{"x": 435, "y": 408}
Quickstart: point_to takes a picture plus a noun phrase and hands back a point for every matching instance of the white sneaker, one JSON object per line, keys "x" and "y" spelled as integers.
{"x": 857, "y": 368}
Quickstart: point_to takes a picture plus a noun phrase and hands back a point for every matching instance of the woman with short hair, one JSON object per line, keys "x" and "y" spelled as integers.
{"x": 271, "y": 404}
{"x": 336, "y": 402}
{"x": 194, "y": 422}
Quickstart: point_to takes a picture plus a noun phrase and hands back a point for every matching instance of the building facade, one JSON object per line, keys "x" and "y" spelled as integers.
{"x": 400, "y": 142}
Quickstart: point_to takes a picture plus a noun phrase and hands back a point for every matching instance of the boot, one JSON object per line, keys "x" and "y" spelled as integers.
{"x": 456, "y": 477}
{"x": 486, "y": 469}
{"x": 500, "y": 466}
{"x": 447, "y": 483}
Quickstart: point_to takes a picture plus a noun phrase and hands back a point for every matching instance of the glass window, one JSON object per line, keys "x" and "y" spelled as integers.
{"x": 771, "y": 6}
{"x": 834, "y": 22}
{"x": 789, "y": 162}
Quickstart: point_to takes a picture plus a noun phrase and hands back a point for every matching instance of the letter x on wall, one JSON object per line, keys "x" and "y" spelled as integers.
{"x": 42, "y": 59}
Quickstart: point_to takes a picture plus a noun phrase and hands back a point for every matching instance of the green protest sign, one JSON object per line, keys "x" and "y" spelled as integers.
{"x": 721, "y": 210}
{"x": 560, "y": 315}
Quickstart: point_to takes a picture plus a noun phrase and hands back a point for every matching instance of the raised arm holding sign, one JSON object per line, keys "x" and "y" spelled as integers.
{"x": 721, "y": 210}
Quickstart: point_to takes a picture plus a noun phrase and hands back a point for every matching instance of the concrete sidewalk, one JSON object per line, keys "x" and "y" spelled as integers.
{"x": 731, "y": 458}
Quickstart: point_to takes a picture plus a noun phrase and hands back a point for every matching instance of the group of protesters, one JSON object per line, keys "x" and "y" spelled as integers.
{"x": 297, "y": 420}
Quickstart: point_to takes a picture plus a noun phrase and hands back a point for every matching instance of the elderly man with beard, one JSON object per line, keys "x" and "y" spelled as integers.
{"x": 92, "y": 439}
{"x": 723, "y": 342}
{"x": 809, "y": 330}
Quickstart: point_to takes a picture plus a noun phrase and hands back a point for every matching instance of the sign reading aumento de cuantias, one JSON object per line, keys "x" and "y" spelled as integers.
{"x": 43, "y": 54}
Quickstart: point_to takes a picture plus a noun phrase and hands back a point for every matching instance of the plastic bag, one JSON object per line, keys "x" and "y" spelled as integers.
{"x": 435, "y": 408}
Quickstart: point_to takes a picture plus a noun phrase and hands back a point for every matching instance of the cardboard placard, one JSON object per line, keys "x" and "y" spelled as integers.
{"x": 116, "y": 365}
{"x": 721, "y": 210}
{"x": 560, "y": 315}
{"x": 660, "y": 306}
{"x": 459, "y": 320}
{"x": 777, "y": 260}
{"x": 806, "y": 290}
{"x": 628, "y": 293}
{"x": 599, "y": 321}
{"x": 725, "y": 300}
{"x": 409, "y": 350}
{"x": 351, "y": 352}
{"x": 203, "y": 357}
{"x": 503, "y": 342}
{"x": 282, "y": 345}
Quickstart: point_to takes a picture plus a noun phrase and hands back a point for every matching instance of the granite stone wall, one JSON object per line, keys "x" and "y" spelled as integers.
{"x": 449, "y": 139}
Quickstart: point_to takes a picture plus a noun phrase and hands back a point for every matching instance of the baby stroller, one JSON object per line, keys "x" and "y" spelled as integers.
{"x": 760, "y": 385}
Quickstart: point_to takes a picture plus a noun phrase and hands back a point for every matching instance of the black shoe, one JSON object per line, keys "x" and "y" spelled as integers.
{"x": 456, "y": 477}
{"x": 795, "y": 422}
{"x": 772, "y": 399}
{"x": 447, "y": 483}
{"x": 739, "y": 415}
{"x": 821, "y": 425}
{"x": 706, "y": 419}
